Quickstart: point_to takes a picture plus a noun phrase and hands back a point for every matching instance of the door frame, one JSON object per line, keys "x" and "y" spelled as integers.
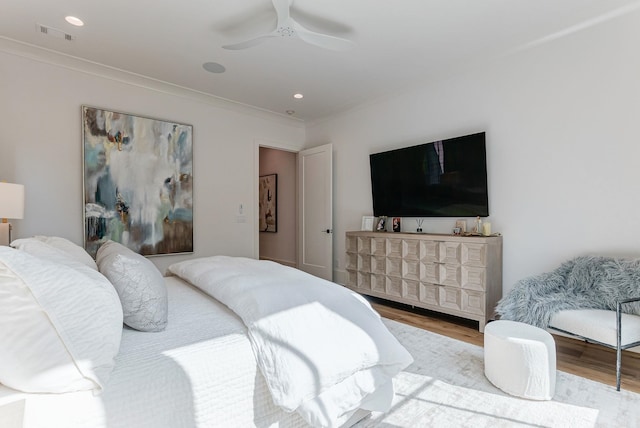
{"x": 256, "y": 174}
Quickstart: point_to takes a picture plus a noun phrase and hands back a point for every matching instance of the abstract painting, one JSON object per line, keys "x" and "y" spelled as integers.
{"x": 267, "y": 193}
{"x": 138, "y": 182}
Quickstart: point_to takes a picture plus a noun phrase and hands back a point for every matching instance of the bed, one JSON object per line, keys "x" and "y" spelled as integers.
{"x": 201, "y": 369}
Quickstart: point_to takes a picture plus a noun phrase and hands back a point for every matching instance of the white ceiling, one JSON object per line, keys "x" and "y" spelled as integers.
{"x": 398, "y": 43}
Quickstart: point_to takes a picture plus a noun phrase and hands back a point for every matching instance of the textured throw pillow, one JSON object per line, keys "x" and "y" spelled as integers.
{"x": 139, "y": 284}
{"x": 60, "y": 328}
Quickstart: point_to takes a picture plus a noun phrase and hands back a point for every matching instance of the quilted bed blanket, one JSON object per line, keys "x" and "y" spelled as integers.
{"x": 586, "y": 282}
{"x": 321, "y": 347}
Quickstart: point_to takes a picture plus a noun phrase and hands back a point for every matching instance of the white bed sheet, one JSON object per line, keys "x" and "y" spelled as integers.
{"x": 199, "y": 372}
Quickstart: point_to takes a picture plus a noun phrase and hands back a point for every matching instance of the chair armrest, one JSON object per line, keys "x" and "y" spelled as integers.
{"x": 622, "y": 302}
{"x": 630, "y": 300}
{"x": 619, "y": 317}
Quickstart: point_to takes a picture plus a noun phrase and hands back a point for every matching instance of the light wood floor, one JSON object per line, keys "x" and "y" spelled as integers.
{"x": 573, "y": 356}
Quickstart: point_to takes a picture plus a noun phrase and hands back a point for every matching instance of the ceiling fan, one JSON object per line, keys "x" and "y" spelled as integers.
{"x": 288, "y": 27}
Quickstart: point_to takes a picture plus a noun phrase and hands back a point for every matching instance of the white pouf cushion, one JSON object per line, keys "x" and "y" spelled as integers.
{"x": 520, "y": 359}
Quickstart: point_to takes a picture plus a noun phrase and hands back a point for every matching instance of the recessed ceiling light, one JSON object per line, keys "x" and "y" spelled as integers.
{"x": 298, "y": 96}
{"x": 214, "y": 67}
{"x": 74, "y": 21}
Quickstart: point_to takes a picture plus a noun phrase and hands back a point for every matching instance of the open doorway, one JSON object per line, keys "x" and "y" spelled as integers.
{"x": 278, "y": 241}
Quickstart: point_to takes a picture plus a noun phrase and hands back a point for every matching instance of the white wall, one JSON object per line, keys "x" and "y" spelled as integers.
{"x": 563, "y": 136}
{"x": 40, "y": 145}
{"x": 561, "y": 121}
{"x": 281, "y": 246}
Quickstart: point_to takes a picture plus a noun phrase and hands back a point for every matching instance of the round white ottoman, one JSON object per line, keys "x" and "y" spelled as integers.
{"x": 520, "y": 359}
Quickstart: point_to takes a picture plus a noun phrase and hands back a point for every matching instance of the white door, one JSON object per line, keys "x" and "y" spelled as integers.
{"x": 315, "y": 211}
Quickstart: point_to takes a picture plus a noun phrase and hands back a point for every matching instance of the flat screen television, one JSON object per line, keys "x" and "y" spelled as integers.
{"x": 446, "y": 178}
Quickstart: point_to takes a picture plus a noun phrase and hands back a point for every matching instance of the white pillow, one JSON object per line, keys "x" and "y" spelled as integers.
{"x": 139, "y": 284}
{"x": 71, "y": 250}
{"x": 61, "y": 328}
{"x": 75, "y": 251}
{"x": 42, "y": 250}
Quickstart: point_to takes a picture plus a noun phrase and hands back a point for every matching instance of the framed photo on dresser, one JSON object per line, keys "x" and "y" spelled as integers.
{"x": 367, "y": 223}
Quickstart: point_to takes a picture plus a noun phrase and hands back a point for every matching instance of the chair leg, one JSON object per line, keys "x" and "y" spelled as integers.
{"x": 618, "y": 343}
{"x": 618, "y": 367}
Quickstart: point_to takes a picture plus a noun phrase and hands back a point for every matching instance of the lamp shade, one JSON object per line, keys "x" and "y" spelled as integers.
{"x": 11, "y": 200}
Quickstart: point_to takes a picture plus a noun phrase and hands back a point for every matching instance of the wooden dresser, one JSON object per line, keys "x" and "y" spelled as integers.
{"x": 456, "y": 275}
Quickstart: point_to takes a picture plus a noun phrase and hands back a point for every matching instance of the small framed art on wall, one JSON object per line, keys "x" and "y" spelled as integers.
{"x": 268, "y": 203}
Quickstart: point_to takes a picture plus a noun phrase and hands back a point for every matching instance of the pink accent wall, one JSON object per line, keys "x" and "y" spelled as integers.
{"x": 281, "y": 246}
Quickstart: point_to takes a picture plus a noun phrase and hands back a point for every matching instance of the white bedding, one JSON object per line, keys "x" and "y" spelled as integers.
{"x": 199, "y": 372}
{"x": 321, "y": 347}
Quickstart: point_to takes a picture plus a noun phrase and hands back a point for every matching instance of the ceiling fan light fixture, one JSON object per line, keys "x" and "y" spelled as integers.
{"x": 286, "y": 31}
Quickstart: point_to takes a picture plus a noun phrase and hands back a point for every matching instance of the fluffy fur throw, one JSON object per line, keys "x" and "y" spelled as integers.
{"x": 581, "y": 283}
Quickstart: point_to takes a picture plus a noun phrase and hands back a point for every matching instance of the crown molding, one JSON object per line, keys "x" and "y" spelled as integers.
{"x": 58, "y": 59}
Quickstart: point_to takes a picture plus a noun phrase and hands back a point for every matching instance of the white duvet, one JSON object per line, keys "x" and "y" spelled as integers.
{"x": 200, "y": 372}
{"x": 321, "y": 347}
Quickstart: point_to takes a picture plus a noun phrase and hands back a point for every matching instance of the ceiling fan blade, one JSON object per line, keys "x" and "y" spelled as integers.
{"x": 248, "y": 43}
{"x": 288, "y": 27}
{"x": 323, "y": 40}
{"x": 282, "y": 10}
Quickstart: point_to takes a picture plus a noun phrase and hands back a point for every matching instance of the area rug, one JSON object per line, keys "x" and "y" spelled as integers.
{"x": 446, "y": 387}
